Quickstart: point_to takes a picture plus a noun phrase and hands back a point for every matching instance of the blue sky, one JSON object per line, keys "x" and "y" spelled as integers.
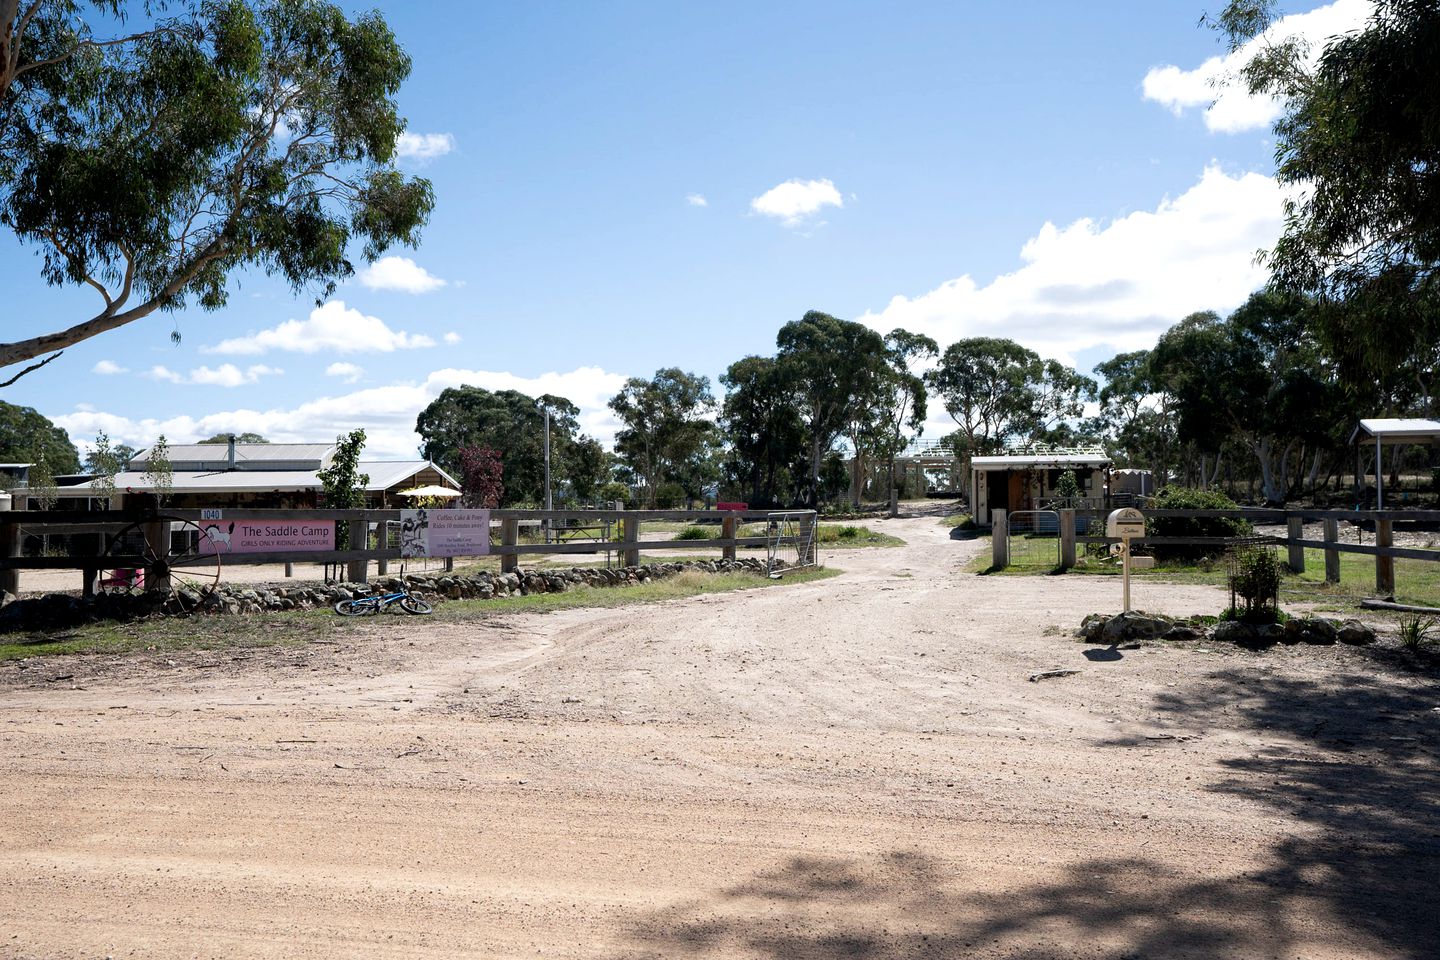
{"x": 1050, "y": 171}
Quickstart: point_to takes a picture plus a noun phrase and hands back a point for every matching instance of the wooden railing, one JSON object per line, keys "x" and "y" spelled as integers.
{"x": 16, "y": 524}
{"x": 1382, "y": 522}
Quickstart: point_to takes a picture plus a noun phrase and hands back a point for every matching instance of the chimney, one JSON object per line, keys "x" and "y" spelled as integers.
{"x": 230, "y": 458}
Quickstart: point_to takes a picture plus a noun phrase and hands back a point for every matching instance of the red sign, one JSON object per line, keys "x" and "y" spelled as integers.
{"x": 723, "y": 505}
{"x": 266, "y": 536}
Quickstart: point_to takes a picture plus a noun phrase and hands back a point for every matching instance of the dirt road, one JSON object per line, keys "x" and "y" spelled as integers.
{"x": 856, "y": 767}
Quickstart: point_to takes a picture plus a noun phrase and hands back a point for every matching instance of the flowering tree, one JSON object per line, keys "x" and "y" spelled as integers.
{"x": 481, "y": 473}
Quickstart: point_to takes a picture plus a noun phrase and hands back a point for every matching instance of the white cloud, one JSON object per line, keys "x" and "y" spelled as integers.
{"x": 387, "y": 413}
{"x": 1215, "y": 86}
{"x": 696, "y": 200}
{"x": 451, "y": 337}
{"x": 225, "y": 375}
{"x": 399, "y": 273}
{"x": 1118, "y": 284}
{"x": 794, "y": 200}
{"x": 108, "y": 368}
{"x": 349, "y": 371}
{"x": 331, "y": 326}
{"x": 424, "y": 146}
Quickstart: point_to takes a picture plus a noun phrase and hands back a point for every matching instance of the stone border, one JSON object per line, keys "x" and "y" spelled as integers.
{"x": 61, "y": 611}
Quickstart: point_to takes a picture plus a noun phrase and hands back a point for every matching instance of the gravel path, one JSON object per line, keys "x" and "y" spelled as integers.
{"x": 856, "y": 767}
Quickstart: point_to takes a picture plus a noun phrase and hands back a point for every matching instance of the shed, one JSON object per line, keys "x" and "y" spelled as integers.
{"x": 1023, "y": 476}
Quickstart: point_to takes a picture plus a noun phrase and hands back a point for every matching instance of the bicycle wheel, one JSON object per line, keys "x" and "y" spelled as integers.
{"x": 356, "y": 608}
{"x": 415, "y": 605}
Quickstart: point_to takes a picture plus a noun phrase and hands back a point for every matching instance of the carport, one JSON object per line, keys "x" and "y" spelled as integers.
{"x": 1391, "y": 431}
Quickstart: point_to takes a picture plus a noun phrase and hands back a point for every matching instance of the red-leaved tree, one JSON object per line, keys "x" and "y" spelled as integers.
{"x": 481, "y": 472}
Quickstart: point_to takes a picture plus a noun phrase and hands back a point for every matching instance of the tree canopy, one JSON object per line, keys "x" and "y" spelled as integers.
{"x": 508, "y": 422}
{"x": 236, "y": 135}
{"x": 665, "y": 433}
{"x": 27, "y": 436}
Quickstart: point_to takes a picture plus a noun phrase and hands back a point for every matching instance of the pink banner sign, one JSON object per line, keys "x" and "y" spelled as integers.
{"x": 266, "y": 536}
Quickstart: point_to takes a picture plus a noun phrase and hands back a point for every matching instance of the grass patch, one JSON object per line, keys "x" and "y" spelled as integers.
{"x": 958, "y": 520}
{"x": 696, "y": 533}
{"x": 678, "y": 587}
{"x": 162, "y": 634}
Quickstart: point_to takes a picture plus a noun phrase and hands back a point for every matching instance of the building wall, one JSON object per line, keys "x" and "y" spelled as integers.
{"x": 1040, "y": 483}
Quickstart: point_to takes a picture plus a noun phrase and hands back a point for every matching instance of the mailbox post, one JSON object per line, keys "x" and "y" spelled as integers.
{"x": 1124, "y": 524}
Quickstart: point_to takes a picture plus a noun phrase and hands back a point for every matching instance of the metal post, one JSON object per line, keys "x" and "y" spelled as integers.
{"x": 999, "y": 540}
{"x": 1332, "y": 557}
{"x": 1379, "y": 477}
{"x": 1125, "y": 553}
{"x": 1295, "y": 531}
{"x": 1384, "y": 566}
{"x": 1067, "y": 539}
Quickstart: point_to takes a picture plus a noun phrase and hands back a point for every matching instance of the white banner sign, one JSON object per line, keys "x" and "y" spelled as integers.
{"x": 444, "y": 533}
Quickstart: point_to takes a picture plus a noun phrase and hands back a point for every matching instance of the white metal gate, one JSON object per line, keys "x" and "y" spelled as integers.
{"x": 787, "y": 530}
{"x": 1033, "y": 538}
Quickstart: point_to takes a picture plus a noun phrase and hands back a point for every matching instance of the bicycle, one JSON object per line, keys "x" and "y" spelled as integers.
{"x": 363, "y": 605}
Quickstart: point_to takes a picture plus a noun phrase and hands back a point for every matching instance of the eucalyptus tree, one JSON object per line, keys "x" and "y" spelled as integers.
{"x": 901, "y": 401}
{"x": 764, "y": 433}
{"x": 1358, "y": 137}
{"x": 666, "y": 430}
{"x": 241, "y": 134}
{"x": 833, "y": 365}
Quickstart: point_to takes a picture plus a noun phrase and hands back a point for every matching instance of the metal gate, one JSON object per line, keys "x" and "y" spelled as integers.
{"x": 790, "y": 530}
{"x": 1033, "y": 538}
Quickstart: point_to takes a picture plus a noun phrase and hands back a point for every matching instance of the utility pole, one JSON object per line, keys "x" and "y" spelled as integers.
{"x": 549, "y": 503}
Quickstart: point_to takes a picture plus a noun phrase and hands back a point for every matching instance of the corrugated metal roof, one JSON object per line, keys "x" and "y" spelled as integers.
{"x": 248, "y": 456}
{"x": 1399, "y": 429}
{"x": 1042, "y": 460}
{"x": 384, "y": 474}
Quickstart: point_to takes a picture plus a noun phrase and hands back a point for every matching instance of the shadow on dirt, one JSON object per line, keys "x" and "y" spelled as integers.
{"x": 1351, "y": 762}
{"x": 1363, "y": 770}
{"x": 905, "y": 906}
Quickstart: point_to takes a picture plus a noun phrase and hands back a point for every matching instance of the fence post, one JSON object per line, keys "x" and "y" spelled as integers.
{"x": 1067, "y": 539}
{"x": 358, "y": 571}
{"x": 630, "y": 533}
{"x": 289, "y": 569}
{"x": 999, "y": 540}
{"x": 509, "y": 537}
{"x": 1332, "y": 557}
{"x": 1295, "y": 531}
{"x": 10, "y": 547}
{"x": 157, "y": 543}
{"x": 728, "y": 529}
{"x": 1384, "y": 566}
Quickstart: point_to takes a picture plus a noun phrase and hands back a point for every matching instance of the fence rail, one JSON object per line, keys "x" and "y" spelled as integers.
{"x": 1381, "y": 522}
{"x": 16, "y": 524}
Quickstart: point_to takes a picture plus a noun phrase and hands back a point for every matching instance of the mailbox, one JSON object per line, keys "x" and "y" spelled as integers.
{"x": 1125, "y": 524}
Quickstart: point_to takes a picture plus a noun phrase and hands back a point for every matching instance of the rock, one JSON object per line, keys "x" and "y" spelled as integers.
{"x": 1231, "y": 631}
{"x": 1310, "y": 630}
{"x": 1091, "y": 626}
{"x": 1133, "y": 626}
{"x": 1355, "y": 633}
{"x": 1181, "y": 632}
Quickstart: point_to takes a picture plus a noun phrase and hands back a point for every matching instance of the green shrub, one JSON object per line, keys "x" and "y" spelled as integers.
{"x": 1255, "y": 578}
{"x": 693, "y": 533}
{"x": 1185, "y": 498}
{"x": 1417, "y": 632}
{"x": 670, "y": 495}
{"x": 1068, "y": 485}
{"x": 849, "y": 533}
{"x": 612, "y": 491}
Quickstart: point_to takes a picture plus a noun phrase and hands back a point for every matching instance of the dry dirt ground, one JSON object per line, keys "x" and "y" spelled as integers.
{"x": 856, "y": 767}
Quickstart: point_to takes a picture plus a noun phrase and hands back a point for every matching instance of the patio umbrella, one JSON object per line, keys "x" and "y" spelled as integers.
{"x": 434, "y": 490}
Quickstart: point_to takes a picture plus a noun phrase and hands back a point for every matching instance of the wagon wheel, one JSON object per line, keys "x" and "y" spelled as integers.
{"x": 194, "y": 569}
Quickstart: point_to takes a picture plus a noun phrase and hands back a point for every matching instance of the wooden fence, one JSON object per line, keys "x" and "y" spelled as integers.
{"x": 157, "y": 560}
{"x": 1381, "y": 522}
